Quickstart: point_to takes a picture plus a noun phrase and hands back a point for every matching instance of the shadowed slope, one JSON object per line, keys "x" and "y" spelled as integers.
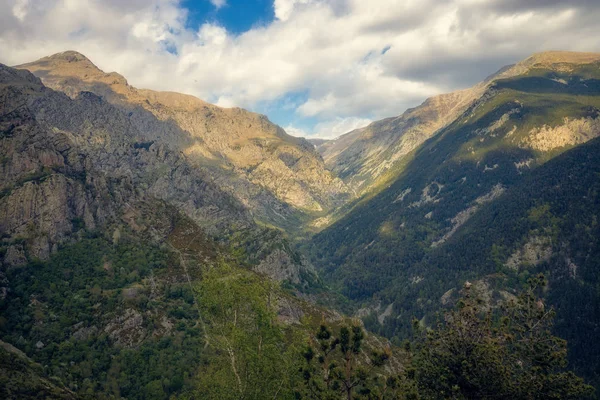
{"x": 277, "y": 176}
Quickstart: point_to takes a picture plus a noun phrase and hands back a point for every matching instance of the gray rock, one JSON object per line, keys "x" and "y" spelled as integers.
{"x": 15, "y": 256}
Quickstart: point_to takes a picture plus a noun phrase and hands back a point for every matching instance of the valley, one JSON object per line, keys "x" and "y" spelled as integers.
{"x": 154, "y": 245}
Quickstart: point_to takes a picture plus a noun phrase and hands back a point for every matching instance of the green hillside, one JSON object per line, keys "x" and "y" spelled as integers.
{"x": 131, "y": 319}
{"x": 473, "y": 195}
{"x": 126, "y": 273}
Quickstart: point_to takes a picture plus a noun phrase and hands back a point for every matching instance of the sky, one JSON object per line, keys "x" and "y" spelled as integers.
{"x": 318, "y": 68}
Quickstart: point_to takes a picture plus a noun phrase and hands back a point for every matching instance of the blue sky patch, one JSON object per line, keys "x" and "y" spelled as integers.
{"x": 237, "y": 16}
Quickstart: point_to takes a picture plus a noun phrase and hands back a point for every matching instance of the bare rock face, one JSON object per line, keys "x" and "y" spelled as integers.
{"x": 571, "y": 133}
{"x": 280, "y": 267}
{"x": 72, "y": 164}
{"x": 536, "y": 250}
{"x": 83, "y": 333}
{"x": 15, "y": 256}
{"x": 127, "y": 329}
{"x": 248, "y": 156}
{"x": 289, "y": 312}
{"x": 41, "y": 195}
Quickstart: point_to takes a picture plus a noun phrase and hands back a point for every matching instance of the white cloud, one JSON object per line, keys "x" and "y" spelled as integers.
{"x": 20, "y": 9}
{"x": 284, "y": 8}
{"x": 330, "y": 129}
{"x": 219, "y": 3}
{"x": 298, "y": 132}
{"x": 339, "y": 126}
{"x": 356, "y": 60}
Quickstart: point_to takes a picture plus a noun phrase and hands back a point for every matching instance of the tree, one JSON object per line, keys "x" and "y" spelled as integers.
{"x": 538, "y": 358}
{"x": 337, "y": 367}
{"x": 250, "y": 357}
{"x": 510, "y": 353}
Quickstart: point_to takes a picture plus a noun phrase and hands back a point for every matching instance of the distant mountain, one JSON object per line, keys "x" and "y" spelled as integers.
{"x": 488, "y": 198}
{"x": 370, "y": 157}
{"x": 280, "y": 178}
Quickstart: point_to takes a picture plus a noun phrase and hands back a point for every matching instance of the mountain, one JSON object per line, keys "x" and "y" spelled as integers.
{"x": 281, "y": 179}
{"x": 506, "y": 189}
{"x": 369, "y": 157}
{"x": 362, "y": 156}
{"x": 70, "y": 165}
{"x": 146, "y": 238}
{"x": 127, "y": 272}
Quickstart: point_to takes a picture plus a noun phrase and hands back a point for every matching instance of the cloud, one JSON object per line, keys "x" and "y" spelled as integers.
{"x": 285, "y": 8}
{"x": 330, "y": 129}
{"x": 298, "y": 132}
{"x": 339, "y": 126}
{"x": 356, "y": 60}
{"x": 20, "y": 9}
{"x": 219, "y": 3}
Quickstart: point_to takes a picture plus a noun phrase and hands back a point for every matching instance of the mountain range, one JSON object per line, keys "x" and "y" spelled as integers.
{"x": 137, "y": 225}
{"x": 277, "y": 176}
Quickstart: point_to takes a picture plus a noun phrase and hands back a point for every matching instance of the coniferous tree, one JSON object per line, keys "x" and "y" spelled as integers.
{"x": 479, "y": 354}
{"x": 338, "y": 367}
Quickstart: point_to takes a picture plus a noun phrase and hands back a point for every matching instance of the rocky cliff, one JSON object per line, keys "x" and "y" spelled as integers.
{"x": 279, "y": 178}
{"x": 76, "y": 165}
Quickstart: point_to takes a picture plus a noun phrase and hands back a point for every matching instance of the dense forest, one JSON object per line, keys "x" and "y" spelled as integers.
{"x": 220, "y": 337}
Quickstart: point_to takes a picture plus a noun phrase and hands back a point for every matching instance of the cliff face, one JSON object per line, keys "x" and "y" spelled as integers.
{"x": 75, "y": 164}
{"x": 278, "y": 177}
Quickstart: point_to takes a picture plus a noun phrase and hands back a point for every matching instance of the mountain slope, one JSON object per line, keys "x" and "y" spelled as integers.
{"x": 70, "y": 165}
{"x": 548, "y": 223}
{"x": 279, "y": 177}
{"x": 363, "y": 155}
{"x": 21, "y": 378}
{"x": 368, "y": 157}
{"x": 396, "y": 254}
{"x": 126, "y": 272}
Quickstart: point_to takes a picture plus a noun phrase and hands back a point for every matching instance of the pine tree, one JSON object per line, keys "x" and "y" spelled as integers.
{"x": 510, "y": 353}
{"x": 334, "y": 367}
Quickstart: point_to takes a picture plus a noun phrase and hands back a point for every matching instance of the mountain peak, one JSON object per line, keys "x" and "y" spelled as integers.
{"x": 72, "y": 65}
{"x": 70, "y": 56}
{"x": 70, "y": 59}
{"x": 556, "y": 57}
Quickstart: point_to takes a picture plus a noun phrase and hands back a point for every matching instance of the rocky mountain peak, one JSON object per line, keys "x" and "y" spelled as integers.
{"x": 554, "y": 60}
{"x": 70, "y": 56}
{"x": 555, "y": 57}
{"x": 68, "y": 70}
{"x": 277, "y": 176}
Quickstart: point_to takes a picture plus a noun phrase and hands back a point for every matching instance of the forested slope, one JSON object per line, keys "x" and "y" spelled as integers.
{"x": 491, "y": 199}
